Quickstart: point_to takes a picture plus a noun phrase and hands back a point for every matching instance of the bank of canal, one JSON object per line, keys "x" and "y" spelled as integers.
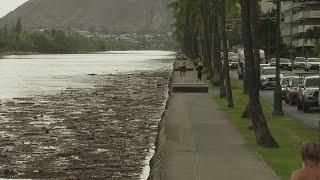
{"x": 105, "y": 130}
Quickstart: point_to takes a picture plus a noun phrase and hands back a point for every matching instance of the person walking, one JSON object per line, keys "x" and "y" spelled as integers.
{"x": 183, "y": 69}
{"x": 199, "y": 69}
{"x": 310, "y": 153}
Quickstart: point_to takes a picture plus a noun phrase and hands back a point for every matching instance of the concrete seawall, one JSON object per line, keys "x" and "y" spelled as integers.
{"x": 156, "y": 163}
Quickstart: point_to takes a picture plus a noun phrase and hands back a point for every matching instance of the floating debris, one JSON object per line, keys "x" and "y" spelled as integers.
{"x": 103, "y": 132}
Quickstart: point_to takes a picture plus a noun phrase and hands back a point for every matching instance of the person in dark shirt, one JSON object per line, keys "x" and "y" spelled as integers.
{"x": 183, "y": 69}
{"x": 199, "y": 70}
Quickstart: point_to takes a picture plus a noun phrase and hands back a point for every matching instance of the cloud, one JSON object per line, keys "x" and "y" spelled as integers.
{"x": 7, "y": 6}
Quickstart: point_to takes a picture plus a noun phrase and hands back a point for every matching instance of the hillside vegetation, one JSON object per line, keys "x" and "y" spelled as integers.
{"x": 112, "y": 15}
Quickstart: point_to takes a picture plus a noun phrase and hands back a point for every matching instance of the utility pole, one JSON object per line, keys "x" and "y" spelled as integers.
{"x": 268, "y": 39}
{"x": 277, "y": 91}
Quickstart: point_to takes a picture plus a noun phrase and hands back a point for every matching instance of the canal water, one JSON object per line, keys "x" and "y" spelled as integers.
{"x": 81, "y": 116}
{"x": 27, "y": 75}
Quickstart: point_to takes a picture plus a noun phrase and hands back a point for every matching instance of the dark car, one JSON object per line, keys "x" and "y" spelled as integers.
{"x": 291, "y": 92}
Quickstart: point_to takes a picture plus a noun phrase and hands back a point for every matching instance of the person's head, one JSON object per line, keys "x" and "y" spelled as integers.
{"x": 310, "y": 153}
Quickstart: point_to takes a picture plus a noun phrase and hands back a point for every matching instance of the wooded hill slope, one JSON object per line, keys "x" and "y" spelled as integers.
{"x": 114, "y": 15}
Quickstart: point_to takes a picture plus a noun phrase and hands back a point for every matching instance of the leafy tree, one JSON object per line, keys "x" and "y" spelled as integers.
{"x": 314, "y": 34}
{"x": 24, "y": 43}
{"x": 18, "y": 28}
{"x": 3, "y": 40}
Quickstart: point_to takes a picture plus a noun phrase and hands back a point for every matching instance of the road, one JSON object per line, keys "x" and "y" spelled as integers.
{"x": 311, "y": 118}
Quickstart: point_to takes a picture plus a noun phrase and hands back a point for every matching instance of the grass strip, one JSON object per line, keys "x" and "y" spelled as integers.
{"x": 288, "y": 132}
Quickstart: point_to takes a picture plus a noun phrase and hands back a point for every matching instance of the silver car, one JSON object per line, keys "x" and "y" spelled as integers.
{"x": 312, "y": 64}
{"x": 308, "y": 93}
{"x": 268, "y": 77}
{"x": 299, "y": 62}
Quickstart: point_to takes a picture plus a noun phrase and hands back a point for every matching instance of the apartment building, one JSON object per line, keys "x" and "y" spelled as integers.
{"x": 297, "y": 18}
{"x": 266, "y": 5}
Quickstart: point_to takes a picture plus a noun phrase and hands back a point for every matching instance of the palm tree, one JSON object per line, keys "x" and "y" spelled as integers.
{"x": 255, "y": 112}
{"x": 225, "y": 54}
{"x": 216, "y": 58}
{"x": 186, "y": 28}
{"x": 207, "y": 44}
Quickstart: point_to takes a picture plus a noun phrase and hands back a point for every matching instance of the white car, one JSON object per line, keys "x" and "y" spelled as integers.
{"x": 264, "y": 65}
{"x": 312, "y": 64}
{"x": 299, "y": 62}
{"x": 233, "y": 60}
{"x": 285, "y": 63}
{"x": 268, "y": 77}
{"x": 308, "y": 93}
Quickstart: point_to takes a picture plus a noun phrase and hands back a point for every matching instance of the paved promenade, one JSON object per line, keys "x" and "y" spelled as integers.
{"x": 202, "y": 144}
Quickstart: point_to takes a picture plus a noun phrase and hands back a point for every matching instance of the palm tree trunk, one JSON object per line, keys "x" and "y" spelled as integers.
{"x": 206, "y": 38}
{"x": 246, "y": 48}
{"x": 259, "y": 123}
{"x": 225, "y": 54}
{"x": 216, "y": 50}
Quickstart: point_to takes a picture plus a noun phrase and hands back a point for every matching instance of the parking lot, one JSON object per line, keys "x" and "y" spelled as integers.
{"x": 311, "y": 118}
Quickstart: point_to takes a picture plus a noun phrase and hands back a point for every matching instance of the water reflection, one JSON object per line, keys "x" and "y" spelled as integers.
{"x": 25, "y": 75}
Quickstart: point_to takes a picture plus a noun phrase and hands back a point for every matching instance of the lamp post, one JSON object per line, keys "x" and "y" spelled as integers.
{"x": 277, "y": 92}
{"x": 268, "y": 39}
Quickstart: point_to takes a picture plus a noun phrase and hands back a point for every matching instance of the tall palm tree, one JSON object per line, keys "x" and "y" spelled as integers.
{"x": 186, "y": 28}
{"x": 225, "y": 54}
{"x": 216, "y": 58}
{"x": 207, "y": 44}
{"x": 255, "y": 112}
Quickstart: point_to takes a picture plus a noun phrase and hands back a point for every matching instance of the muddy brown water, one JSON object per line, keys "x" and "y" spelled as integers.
{"x": 100, "y": 125}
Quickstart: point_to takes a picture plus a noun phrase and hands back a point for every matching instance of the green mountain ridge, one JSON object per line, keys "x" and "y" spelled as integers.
{"x": 113, "y": 15}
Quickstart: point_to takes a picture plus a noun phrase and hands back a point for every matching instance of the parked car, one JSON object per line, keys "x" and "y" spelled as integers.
{"x": 241, "y": 68}
{"x": 285, "y": 63}
{"x": 308, "y": 93}
{"x": 299, "y": 62}
{"x": 312, "y": 64}
{"x": 264, "y": 65}
{"x": 272, "y": 62}
{"x": 233, "y": 62}
{"x": 268, "y": 77}
{"x": 284, "y": 82}
{"x": 291, "y": 92}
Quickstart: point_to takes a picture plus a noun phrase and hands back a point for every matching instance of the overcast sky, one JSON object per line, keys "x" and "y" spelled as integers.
{"x": 8, "y": 5}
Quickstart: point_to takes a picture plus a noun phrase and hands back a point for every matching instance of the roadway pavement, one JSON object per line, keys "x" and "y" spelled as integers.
{"x": 202, "y": 144}
{"x": 312, "y": 118}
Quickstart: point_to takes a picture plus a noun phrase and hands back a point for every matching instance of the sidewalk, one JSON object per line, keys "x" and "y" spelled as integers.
{"x": 202, "y": 144}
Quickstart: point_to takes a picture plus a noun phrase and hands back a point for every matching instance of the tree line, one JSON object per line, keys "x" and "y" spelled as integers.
{"x": 16, "y": 39}
{"x": 201, "y": 30}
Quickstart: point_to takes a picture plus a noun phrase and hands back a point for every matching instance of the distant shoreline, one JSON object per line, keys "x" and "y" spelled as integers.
{"x": 36, "y": 53}
{"x": 18, "y": 53}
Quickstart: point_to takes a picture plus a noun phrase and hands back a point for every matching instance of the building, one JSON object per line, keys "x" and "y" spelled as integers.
{"x": 297, "y": 18}
{"x": 266, "y": 5}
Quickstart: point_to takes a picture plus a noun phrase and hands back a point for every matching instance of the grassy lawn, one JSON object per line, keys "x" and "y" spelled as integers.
{"x": 289, "y": 133}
